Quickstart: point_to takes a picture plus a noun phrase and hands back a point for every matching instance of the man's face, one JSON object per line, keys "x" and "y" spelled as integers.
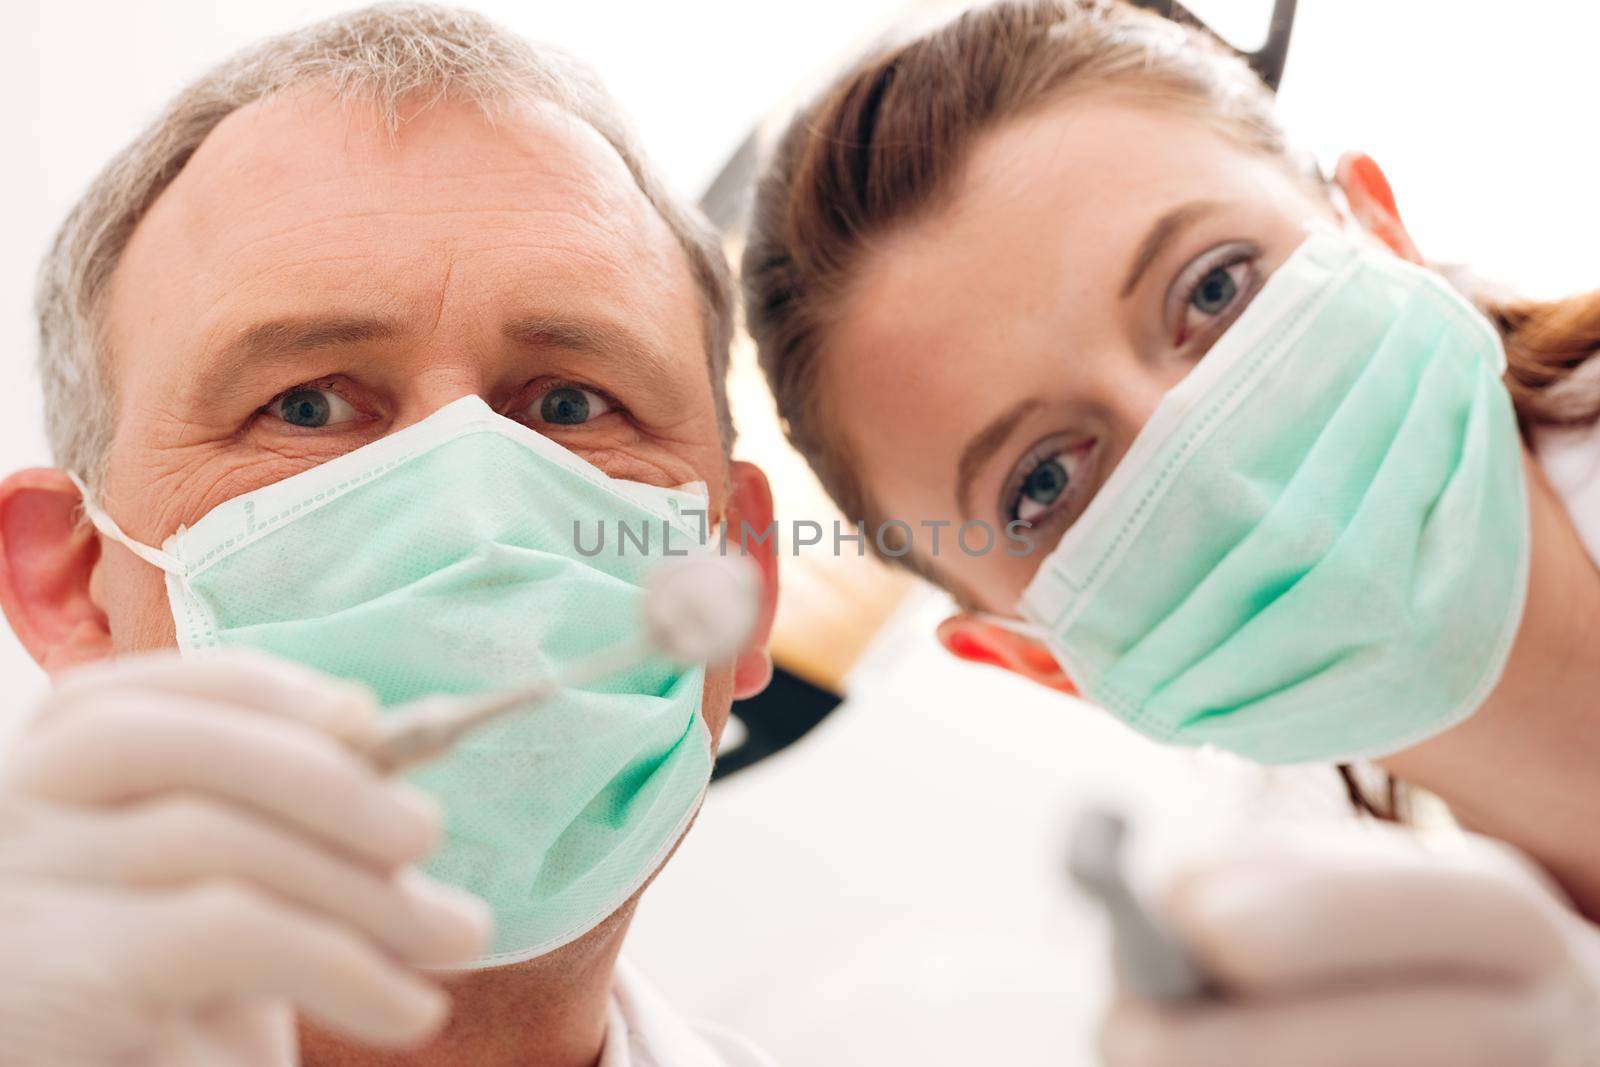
{"x": 304, "y": 254}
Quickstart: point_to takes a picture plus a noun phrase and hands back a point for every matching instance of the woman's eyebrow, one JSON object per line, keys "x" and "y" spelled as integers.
{"x": 1167, "y": 227}
{"x": 985, "y": 443}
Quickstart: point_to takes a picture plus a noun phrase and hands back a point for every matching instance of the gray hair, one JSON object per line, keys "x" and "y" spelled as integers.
{"x": 387, "y": 54}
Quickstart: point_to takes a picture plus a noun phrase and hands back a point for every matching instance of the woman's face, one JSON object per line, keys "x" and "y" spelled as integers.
{"x": 996, "y": 357}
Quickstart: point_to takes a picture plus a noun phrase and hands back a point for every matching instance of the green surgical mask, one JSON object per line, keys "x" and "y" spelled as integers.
{"x": 453, "y": 556}
{"x": 1317, "y": 548}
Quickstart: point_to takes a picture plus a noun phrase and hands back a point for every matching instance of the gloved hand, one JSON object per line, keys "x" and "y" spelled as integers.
{"x": 1378, "y": 953}
{"x": 187, "y": 857}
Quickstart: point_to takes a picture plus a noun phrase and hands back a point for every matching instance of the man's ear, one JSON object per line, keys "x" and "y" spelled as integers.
{"x": 47, "y": 558}
{"x": 1371, "y": 201}
{"x": 750, "y": 509}
{"x": 980, "y": 641}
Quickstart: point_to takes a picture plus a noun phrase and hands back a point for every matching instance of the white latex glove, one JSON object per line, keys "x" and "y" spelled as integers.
{"x": 187, "y": 858}
{"x": 1373, "y": 952}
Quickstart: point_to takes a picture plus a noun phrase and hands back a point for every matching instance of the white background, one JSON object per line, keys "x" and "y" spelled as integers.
{"x": 889, "y": 892}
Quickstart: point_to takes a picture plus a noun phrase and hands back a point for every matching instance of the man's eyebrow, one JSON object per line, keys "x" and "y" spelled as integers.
{"x": 1167, "y": 227}
{"x": 281, "y": 337}
{"x": 984, "y": 444}
{"x": 277, "y": 341}
{"x": 626, "y": 353}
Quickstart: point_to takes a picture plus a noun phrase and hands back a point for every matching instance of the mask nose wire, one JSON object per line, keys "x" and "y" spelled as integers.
{"x": 165, "y": 561}
{"x": 109, "y": 528}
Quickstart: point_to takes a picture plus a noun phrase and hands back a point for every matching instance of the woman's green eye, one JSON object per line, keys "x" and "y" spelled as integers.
{"x": 571, "y": 406}
{"x": 1048, "y": 481}
{"x": 1042, "y": 489}
{"x": 1215, "y": 292}
{"x": 1211, "y": 289}
{"x": 312, "y": 408}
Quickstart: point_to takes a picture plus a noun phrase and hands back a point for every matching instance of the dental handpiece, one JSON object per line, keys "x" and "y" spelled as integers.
{"x": 699, "y": 608}
{"x": 1150, "y": 959}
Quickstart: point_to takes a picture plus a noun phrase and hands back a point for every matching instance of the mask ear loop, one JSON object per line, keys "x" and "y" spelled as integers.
{"x": 109, "y": 528}
{"x": 1021, "y": 627}
{"x": 1341, "y": 205}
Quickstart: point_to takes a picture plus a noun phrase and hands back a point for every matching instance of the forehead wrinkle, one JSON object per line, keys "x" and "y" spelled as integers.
{"x": 555, "y": 192}
{"x": 540, "y": 159}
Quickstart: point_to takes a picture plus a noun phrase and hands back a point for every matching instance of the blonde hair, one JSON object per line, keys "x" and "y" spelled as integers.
{"x": 389, "y": 55}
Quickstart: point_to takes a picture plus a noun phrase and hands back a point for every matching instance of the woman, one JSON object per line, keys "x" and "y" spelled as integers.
{"x": 1054, "y": 264}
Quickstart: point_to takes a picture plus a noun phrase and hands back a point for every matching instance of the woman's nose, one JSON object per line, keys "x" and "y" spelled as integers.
{"x": 1132, "y": 398}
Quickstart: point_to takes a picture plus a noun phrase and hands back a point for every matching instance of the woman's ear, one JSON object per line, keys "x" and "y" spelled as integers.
{"x": 1371, "y": 201}
{"x": 746, "y": 523}
{"x": 47, "y": 560}
{"x": 980, "y": 641}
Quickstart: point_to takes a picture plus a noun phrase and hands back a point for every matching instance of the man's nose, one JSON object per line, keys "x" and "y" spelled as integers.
{"x": 448, "y": 376}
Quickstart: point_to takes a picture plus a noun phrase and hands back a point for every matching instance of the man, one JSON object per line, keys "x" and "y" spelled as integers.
{"x": 338, "y": 238}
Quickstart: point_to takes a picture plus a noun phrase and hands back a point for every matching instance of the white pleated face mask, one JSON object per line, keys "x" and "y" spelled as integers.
{"x": 461, "y": 554}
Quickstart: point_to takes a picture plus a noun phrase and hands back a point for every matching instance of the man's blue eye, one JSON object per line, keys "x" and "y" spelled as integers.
{"x": 311, "y": 408}
{"x": 1215, "y": 292}
{"x": 569, "y": 405}
{"x": 305, "y": 407}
